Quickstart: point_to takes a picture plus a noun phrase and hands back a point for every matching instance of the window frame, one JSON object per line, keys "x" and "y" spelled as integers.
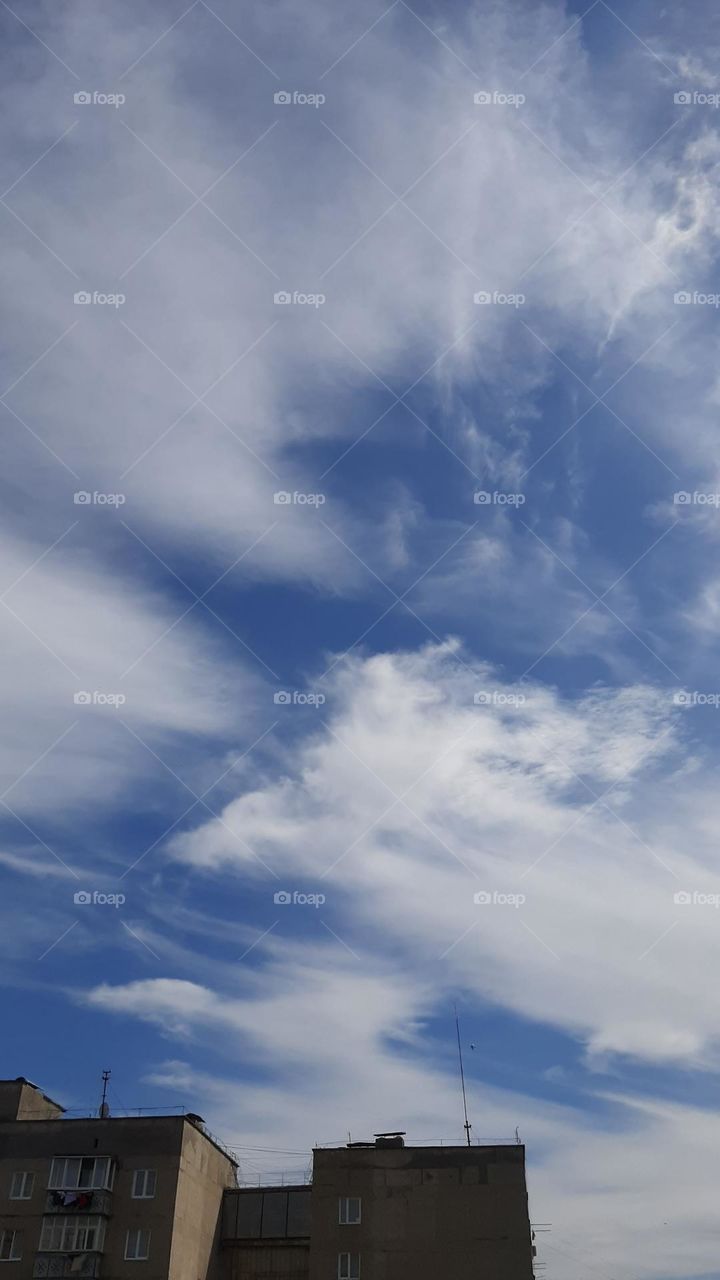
{"x": 135, "y": 1194}
{"x": 349, "y": 1274}
{"x": 61, "y": 1233}
{"x": 28, "y": 1180}
{"x": 137, "y": 1232}
{"x": 15, "y": 1243}
{"x": 59, "y": 1181}
{"x": 344, "y": 1203}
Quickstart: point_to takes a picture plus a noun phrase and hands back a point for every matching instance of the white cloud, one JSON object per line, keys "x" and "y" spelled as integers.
{"x": 69, "y": 629}
{"x": 415, "y": 799}
{"x": 199, "y": 298}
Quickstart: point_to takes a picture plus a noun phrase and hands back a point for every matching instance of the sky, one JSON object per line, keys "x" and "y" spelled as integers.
{"x": 360, "y": 590}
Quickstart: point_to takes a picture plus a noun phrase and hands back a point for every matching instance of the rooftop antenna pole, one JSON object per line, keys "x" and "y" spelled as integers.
{"x": 467, "y": 1126}
{"x": 104, "y": 1108}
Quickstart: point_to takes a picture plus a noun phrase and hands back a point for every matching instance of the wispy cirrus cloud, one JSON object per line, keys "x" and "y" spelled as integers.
{"x": 482, "y": 297}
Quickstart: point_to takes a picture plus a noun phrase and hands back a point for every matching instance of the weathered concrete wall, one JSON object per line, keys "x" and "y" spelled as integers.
{"x": 191, "y": 1176}
{"x": 205, "y": 1173}
{"x": 267, "y": 1261}
{"x": 20, "y": 1100}
{"x": 148, "y": 1143}
{"x": 426, "y": 1213}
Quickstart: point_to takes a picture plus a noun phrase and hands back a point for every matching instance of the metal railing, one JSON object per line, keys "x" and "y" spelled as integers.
{"x": 271, "y": 1178}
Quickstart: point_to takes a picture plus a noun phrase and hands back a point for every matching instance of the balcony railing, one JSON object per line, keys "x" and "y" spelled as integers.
{"x": 52, "y": 1266}
{"x": 85, "y": 1202}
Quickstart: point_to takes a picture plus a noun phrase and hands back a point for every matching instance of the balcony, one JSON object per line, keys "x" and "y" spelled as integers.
{"x": 98, "y": 1202}
{"x": 48, "y": 1266}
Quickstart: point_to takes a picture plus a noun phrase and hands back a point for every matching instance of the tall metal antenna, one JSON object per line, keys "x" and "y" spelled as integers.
{"x": 467, "y": 1126}
{"x": 104, "y": 1108}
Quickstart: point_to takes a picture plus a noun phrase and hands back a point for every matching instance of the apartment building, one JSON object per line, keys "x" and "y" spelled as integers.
{"x": 112, "y": 1197}
{"x": 156, "y": 1198}
{"x": 382, "y": 1210}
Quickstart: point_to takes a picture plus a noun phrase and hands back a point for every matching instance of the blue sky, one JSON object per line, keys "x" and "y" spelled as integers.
{"x": 382, "y": 594}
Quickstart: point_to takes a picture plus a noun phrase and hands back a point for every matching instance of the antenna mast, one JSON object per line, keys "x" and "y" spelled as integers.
{"x": 104, "y": 1108}
{"x": 467, "y": 1126}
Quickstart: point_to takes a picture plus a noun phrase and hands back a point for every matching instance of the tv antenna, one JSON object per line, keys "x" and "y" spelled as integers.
{"x": 104, "y": 1108}
{"x": 467, "y": 1126}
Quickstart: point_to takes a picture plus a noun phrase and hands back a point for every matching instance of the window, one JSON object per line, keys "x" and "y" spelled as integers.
{"x": 348, "y": 1266}
{"x": 137, "y": 1244}
{"x": 21, "y": 1187}
{"x": 349, "y": 1210}
{"x": 144, "y": 1184}
{"x": 71, "y": 1234}
{"x": 73, "y": 1172}
{"x": 10, "y": 1250}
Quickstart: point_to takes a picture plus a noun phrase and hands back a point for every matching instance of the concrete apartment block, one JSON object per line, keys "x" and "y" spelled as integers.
{"x": 156, "y": 1198}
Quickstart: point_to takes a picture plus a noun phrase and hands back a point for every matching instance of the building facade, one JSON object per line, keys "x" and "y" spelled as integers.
{"x": 156, "y": 1198}
{"x": 266, "y": 1232}
{"x": 109, "y": 1197}
{"x": 385, "y": 1211}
